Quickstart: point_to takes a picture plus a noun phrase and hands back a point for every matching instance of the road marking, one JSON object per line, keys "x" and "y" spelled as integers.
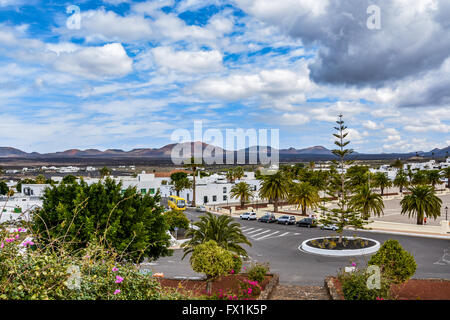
{"x": 266, "y": 236}
{"x": 247, "y": 229}
{"x": 254, "y": 231}
{"x": 283, "y": 234}
{"x": 259, "y": 233}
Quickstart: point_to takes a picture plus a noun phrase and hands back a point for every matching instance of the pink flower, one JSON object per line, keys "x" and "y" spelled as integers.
{"x": 119, "y": 279}
{"x": 2, "y": 245}
{"x": 114, "y": 269}
{"x": 232, "y": 271}
{"x": 353, "y": 264}
{"x": 28, "y": 242}
{"x": 378, "y": 298}
{"x": 9, "y": 239}
{"x": 117, "y": 291}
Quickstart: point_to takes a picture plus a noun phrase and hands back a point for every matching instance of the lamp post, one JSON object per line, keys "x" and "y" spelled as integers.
{"x": 446, "y": 211}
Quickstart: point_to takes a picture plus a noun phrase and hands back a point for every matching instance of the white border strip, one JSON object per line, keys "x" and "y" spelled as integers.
{"x": 339, "y": 253}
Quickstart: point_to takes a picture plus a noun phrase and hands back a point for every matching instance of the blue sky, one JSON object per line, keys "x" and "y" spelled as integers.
{"x": 135, "y": 71}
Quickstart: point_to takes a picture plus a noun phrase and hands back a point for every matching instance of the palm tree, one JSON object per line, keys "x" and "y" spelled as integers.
{"x": 193, "y": 166}
{"x": 419, "y": 178}
{"x": 238, "y": 173}
{"x": 304, "y": 195}
{"x": 382, "y": 181}
{"x": 446, "y": 175}
{"x": 422, "y": 202}
{"x": 242, "y": 190}
{"x": 401, "y": 181}
{"x": 222, "y": 229}
{"x": 274, "y": 187}
{"x": 367, "y": 202}
{"x": 433, "y": 177}
{"x": 230, "y": 175}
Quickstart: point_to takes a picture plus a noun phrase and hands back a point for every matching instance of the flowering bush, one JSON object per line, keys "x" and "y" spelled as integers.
{"x": 51, "y": 272}
{"x": 258, "y": 271}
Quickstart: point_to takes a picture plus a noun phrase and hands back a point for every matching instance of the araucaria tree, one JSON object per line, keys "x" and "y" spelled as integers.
{"x": 345, "y": 215}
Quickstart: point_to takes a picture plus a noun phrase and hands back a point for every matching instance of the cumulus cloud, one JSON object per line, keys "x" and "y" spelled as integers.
{"x": 106, "y": 61}
{"x": 187, "y": 61}
{"x": 414, "y": 36}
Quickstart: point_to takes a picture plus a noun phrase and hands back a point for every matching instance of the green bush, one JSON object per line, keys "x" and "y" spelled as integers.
{"x": 211, "y": 259}
{"x": 176, "y": 218}
{"x": 398, "y": 264}
{"x": 354, "y": 286}
{"x": 258, "y": 271}
{"x": 79, "y": 213}
{"x": 52, "y": 273}
{"x": 237, "y": 264}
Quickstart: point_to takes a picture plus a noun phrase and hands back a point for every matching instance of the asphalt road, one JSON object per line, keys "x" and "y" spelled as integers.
{"x": 279, "y": 246}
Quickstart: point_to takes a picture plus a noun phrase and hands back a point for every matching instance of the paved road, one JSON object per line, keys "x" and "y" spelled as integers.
{"x": 278, "y": 245}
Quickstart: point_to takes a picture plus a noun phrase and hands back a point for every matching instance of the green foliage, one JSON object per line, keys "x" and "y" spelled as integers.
{"x": 79, "y": 213}
{"x": 422, "y": 202}
{"x": 274, "y": 187}
{"x": 243, "y": 191}
{"x": 237, "y": 263}
{"x": 258, "y": 271}
{"x": 354, "y": 286}
{"x": 105, "y": 171}
{"x": 367, "y": 202}
{"x": 381, "y": 180}
{"x": 222, "y": 229}
{"x": 176, "y": 218}
{"x": 69, "y": 179}
{"x": 212, "y": 260}
{"x": 3, "y": 188}
{"x": 398, "y": 264}
{"x": 304, "y": 195}
{"x": 52, "y": 273}
{"x": 180, "y": 181}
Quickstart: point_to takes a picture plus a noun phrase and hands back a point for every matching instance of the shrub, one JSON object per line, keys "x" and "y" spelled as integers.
{"x": 53, "y": 273}
{"x": 258, "y": 271}
{"x": 212, "y": 260}
{"x": 354, "y": 286}
{"x": 237, "y": 264}
{"x": 79, "y": 213}
{"x": 176, "y": 218}
{"x": 398, "y": 264}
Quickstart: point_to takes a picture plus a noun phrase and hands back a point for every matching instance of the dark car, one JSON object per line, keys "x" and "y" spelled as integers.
{"x": 286, "y": 220}
{"x": 307, "y": 222}
{"x": 268, "y": 218}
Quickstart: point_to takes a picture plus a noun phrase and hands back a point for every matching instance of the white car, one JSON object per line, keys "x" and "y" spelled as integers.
{"x": 329, "y": 227}
{"x": 248, "y": 216}
{"x": 201, "y": 209}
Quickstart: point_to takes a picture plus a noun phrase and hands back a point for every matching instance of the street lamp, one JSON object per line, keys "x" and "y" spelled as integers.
{"x": 446, "y": 211}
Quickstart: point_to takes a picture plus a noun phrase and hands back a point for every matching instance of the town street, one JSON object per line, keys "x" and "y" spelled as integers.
{"x": 279, "y": 245}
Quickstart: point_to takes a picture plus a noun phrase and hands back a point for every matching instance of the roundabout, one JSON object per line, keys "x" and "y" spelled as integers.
{"x": 329, "y": 246}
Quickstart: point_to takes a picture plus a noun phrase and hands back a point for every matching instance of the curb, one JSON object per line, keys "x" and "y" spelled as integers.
{"x": 339, "y": 253}
{"x": 331, "y": 289}
{"x": 270, "y": 287}
{"x": 423, "y": 235}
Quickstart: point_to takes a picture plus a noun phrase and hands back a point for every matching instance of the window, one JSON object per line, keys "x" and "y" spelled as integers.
{"x": 143, "y": 191}
{"x": 214, "y": 198}
{"x": 152, "y": 191}
{"x": 224, "y": 189}
{"x": 205, "y": 199}
{"x": 225, "y": 198}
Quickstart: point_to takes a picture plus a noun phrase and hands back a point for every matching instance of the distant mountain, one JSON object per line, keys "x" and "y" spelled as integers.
{"x": 165, "y": 152}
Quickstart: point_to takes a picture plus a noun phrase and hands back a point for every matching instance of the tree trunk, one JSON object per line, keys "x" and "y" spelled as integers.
{"x": 304, "y": 210}
{"x": 419, "y": 219}
{"x": 208, "y": 286}
{"x": 193, "y": 191}
{"x": 275, "y": 205}
{"x": 382, "y": 191}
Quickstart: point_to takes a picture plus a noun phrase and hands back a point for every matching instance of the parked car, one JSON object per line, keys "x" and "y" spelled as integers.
{"x": 268, "y": 218}
{"x": 200, "y": 209}
{"x": 307, "y": 222}
{"x": 286, "y": 220}
{"x": 248, "y": 216}
{"x": 329, "y": 227}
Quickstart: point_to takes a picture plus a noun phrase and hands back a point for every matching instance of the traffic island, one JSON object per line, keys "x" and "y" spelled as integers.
{"x": 330, "y": 246}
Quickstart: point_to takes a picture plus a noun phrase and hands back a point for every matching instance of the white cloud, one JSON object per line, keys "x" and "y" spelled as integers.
{"x": 187, "y": 61}
{"x": 371, "y": 125}
{"x": 107, "y": 61}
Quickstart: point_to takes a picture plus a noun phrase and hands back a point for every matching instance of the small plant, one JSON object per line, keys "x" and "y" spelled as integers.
{"x": 237, "y": 264}
{"x": 354, "y": 286}
{"x": 398, "y": 264}
{"x": 258, "y": 271}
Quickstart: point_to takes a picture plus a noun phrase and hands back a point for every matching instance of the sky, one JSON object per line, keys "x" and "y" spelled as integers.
{"x": 127, "y": 74}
